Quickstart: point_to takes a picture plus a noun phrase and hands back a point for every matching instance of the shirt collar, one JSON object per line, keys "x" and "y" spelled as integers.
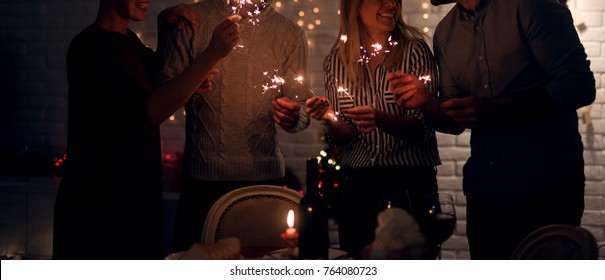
{"x": 479, "y": 9}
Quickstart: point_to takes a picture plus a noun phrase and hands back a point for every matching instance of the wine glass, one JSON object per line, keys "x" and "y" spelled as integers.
{"x": 441, "y": 220}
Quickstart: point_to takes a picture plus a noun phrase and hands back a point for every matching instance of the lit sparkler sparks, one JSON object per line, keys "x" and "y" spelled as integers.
{"x": 333, "y": 116}
{"x": 391, "y": 42}
{"x": 377, "y": 48}
{"x": 274, "y": 83}
{"x": 364, "y": 58}
{"x": 343, "y": 91}
{"x": 425, "y": 79}
{"x": 299, "y": 79}
{"x": 237, "y": 5}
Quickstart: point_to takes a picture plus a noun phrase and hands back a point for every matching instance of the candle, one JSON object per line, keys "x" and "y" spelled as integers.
{"x": 291, "y": 231}
{"x": 290, "y": 237}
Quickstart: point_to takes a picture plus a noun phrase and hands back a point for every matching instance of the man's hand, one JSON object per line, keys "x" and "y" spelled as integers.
{"x": 285, "y": 112}
{"x": 468, "y": 112}
{"x": 206, "y": 85}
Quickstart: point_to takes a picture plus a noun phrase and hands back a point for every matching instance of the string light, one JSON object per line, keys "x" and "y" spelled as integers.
{"x": 425, "y": 16}
{"x": 308, "y": 16}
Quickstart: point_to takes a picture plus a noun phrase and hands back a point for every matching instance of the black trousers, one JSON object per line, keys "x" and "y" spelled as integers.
{"x": 368, "y": 191}
{"x": 196, "y": 199}
{"x": 494, "y": 232}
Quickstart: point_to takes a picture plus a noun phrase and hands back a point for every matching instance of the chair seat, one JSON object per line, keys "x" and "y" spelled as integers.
{"x": 557, "y": 242}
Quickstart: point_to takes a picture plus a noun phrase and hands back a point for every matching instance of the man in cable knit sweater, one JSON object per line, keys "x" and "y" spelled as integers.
{"x": 231, "y": 130}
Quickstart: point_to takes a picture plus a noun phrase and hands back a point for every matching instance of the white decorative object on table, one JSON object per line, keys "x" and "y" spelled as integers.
{"x": 396, "y": 237}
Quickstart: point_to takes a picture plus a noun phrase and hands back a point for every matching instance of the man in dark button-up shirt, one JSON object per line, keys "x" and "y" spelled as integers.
{"x": 515, "y": 72}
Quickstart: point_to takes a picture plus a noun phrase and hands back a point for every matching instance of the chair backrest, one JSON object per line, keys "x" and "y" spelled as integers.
{"x": 557, "y": 242}
{"x": 255, "y": 214}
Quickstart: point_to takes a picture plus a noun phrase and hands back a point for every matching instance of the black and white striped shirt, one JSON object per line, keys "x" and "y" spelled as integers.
{"x": 379, "y": 148}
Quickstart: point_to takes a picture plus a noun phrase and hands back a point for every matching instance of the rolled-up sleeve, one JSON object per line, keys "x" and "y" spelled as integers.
{"x": 174, "y": 52}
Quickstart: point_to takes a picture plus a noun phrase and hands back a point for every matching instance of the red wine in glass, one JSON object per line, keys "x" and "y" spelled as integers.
{"x": 441, "y": 226}
{"x": 441, "y": 221}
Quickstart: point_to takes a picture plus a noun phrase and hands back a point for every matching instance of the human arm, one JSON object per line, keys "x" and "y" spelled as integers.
{"x": 172, "y": 16}
{"x": 169, "y": 97}
{"x": 563, "y": 81}
{"x": 206, "y": 85}
{"x": 296, "y": 88}
{"x": 558, "y": 51}
{"x": 320, "y": 109}
{"x": 341, "y": 132}
{"x": 410, "y": 93}
{"x": 286, "y": 112}
{"x": 413, "y": 94}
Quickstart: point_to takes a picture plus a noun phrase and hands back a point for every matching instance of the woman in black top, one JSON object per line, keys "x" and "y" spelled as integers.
{"x": 109, "y": 203}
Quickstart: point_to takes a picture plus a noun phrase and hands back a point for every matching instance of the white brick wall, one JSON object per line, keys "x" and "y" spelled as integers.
{"x": 35, "y": 34}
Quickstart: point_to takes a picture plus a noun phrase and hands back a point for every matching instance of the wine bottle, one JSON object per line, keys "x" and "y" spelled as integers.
{"x": 313, "y": 239}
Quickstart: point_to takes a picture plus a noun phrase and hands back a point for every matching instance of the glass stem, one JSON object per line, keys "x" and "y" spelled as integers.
{"x": 439, "y": 250}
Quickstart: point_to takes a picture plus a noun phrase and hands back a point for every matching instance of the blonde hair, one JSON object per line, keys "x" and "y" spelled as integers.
{"x": 349, "y": 52}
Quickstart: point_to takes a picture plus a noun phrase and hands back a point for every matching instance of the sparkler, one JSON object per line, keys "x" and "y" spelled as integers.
{"x": 377, "y": 48}
{"x": 299, "y": 79}
{"x": 274, "y": 82}
{"x": 236, "y": 7}
{"x": 425, "y": 78}
{"x": 277, "y": 81}
{"x": 342, "y": 90}
{"x": 343, "y": 38}
{"x": 333, "y": 116}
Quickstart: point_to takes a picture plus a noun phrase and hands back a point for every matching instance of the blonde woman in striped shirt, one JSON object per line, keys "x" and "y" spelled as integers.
{"x": 389, "y": 153}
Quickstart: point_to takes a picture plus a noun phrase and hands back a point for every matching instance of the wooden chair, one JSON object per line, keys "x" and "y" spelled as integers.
{"x": 255, "y": 214}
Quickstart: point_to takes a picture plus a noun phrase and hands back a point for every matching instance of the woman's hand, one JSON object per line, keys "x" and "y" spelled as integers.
{"x": 409, "y": 92}
{"x": 225, "y": 36}
{"x": 363, "y": 116}
{"x": 319, "y": 108}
